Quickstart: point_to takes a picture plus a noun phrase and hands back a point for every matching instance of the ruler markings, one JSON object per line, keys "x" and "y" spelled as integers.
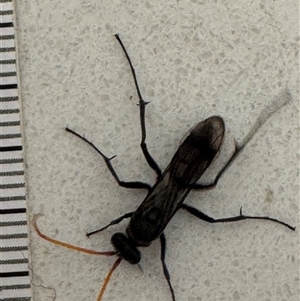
{"x": 7, "y": 283}
{"x": 9, "y": 98}
{"x": 10, "y": 116}
{"x": 7, "y": 62}
{"x": 6, "y": 93}
{"x": 5, "y": 24}
{"x": 17, "y": 295}
{"x": 14, "y": 133}
{"x": 10, "y": 123}
{"x": 6, "y": 12}
{"x": 10, "y": 165}
{"x": 11, "y": 145}
{"x": 11, "y": 168}
{"x": 12, "y": 230}
{"x": 11, "y": 223}
{"x": 10, "y": 148}
{"x": 12, "y": 173}
{"x": 6, "y": 19}
{"x": 8, "y": 289}
{"x": 14, "y": 236}
{"x": 18, "y": 266}
{"x": 4, "y": 36}
{"x": 12, "y": 211}
{"x": 8, "y": 67}
{"x": 13, "y": 198}
{"x": 9, "y": 112}
{"x": 10, "y": 205}
{"x": 13, "y": 248}
{"x": 13, "y": 192}
{"x": 12, "y": 186}
{"x": 7, "y": 294}
{"x": 8, "y": 73}
{"x": 10, "y": 133}
{"x": 15, "y": 281}
{"x": 13, "y": 205}
{"x": 9, "y": 101}
{"x": 7, "y": 5}
{"x": 16, "y": 299}
{"x": 8, "y": 52}
{"x": 10, "y": 180}
{"x": 7, "y": 29}
{"x": 8, "y": 86}
{"x": 10, "y": 129}
{"x": 7, "y": 81}
{"x": 12, "y": 287}
{"x": 14, "y": 217}
{"x": 15, "y": 255}
{"x": 10, "y": 244}
{"x": 7, "y": 37}
{"x": 7, "y": 46}
{"x": 17, "y": 274}
{"x": 16, "y": 155}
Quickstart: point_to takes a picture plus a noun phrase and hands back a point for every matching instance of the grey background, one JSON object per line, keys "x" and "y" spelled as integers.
{"x": 193, "y": 59}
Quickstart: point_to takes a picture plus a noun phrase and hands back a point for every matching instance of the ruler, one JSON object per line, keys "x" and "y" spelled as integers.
{"x": 15, "y": 279}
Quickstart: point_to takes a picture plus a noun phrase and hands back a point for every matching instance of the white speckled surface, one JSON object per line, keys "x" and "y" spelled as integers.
{"x": 193, "y": 59}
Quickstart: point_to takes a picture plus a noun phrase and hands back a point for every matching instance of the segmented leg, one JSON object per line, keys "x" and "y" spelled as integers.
{"x": 165, "y": 269}
{"x": 142, "y": 105}
{"x": 239, "y": 217}
{"x": 114, "y": 222}
{"x": 281, "y": 100}
{"x": 237, "y": 151}
{"x": 133, "y": 184}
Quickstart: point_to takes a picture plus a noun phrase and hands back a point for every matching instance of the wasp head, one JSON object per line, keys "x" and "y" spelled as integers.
{"x": 125, "y": 248}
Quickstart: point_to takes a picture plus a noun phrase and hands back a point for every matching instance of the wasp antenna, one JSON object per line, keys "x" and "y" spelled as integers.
{"x": 117, "y": 262}
{"x": 66, "y": 245}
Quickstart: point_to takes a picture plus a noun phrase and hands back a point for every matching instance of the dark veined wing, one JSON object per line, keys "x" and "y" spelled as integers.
{"x": 190, "y": 161}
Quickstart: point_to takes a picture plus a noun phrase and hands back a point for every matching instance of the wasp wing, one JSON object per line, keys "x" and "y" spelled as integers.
{"x": 188, "y": 164}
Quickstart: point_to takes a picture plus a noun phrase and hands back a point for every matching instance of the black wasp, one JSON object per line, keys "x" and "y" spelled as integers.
{"x": 190, "y": 161}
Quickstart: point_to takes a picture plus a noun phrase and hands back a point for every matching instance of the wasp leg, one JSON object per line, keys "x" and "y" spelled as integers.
{"x": 146, "y": 153}
{"x": 236, "y": 152}
{"x": 239, "y": 217}
{"x": 163, "y": 244}
{"x": 133, "y": 184}
{"x": 142, "y": 105}
{"x": 114, "y": 222}
{"x": 266, "y": 113}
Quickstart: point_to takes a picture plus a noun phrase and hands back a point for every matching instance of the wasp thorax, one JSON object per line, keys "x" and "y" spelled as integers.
{"x": 125, "y": 248}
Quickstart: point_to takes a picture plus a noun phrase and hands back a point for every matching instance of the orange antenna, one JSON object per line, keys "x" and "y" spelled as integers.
{"x": 66, "y": 245}
{"x": 117, "y": 262}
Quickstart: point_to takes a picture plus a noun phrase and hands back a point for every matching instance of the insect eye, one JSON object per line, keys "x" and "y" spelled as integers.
{"x": 125, "y": 248}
